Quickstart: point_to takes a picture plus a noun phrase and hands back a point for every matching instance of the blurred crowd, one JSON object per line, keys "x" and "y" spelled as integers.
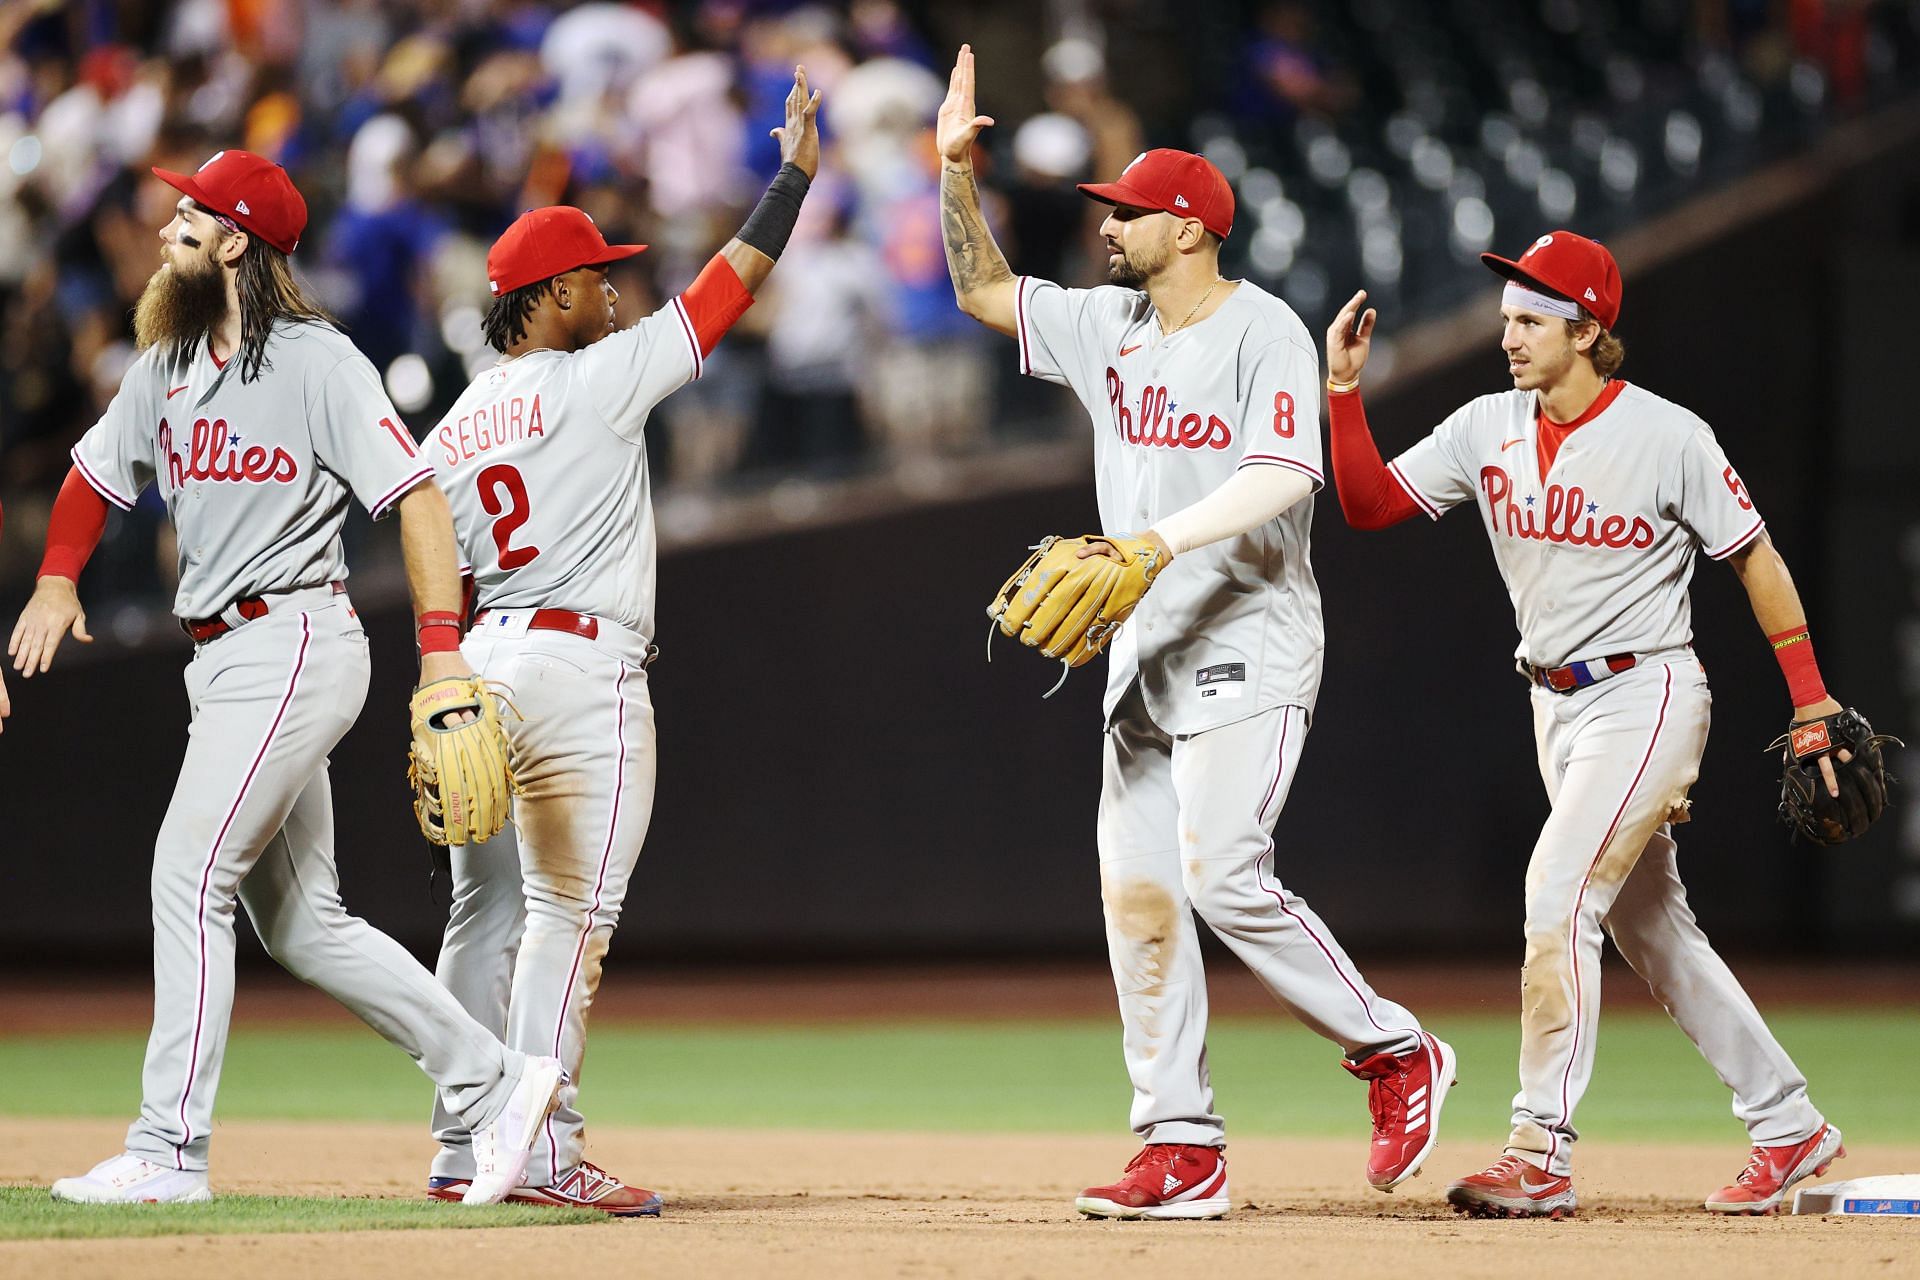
{"x": 1381, "y": 142}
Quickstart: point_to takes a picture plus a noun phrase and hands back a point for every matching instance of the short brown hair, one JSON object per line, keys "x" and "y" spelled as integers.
{"x": 1608, "y": 353}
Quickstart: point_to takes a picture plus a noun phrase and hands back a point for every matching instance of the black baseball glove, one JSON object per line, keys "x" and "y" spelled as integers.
{"x": 1805, "y": 805}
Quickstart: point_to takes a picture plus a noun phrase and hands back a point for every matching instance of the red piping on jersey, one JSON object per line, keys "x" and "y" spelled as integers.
{"x": 1551, "y": 435}
{"x": 406, "y": 486}
{"x": 73, "y": 531}
{"x": 1020, "y": 321}
{"x": 206, "y": 878}
{"x": 1368, "y": 497}
{"x": 218, "y": 363}
{"x": 1573, "y": 924}
{"x": 1262, "y": 868}
{"x": 100, "y": 486}
{"x": 714, "y": 302}
{"x": 1738, "y": 542}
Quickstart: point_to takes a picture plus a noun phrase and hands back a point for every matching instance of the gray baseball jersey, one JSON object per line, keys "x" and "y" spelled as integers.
{"x": 1598, "y": 552}
{"x": 543, "y": 463}
{"x": 282, "y": 469}
{"x": 1232, "y": 629}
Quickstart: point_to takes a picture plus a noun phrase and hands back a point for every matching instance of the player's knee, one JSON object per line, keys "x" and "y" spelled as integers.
{"x": 1221, "y": 890}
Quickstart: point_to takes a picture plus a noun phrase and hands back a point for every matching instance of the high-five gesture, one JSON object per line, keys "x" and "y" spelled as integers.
{"x": 957, "y": 124}
{"x": 800, "y": 135}
{"x": 1350, "y": 338}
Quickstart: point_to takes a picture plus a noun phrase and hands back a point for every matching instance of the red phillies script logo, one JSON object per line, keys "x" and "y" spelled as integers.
{"x": 1565, "y": 520}
{"x": 490, "y": 426}
{"x": 1153, "y": 426}
{"x": 214, "y": 453}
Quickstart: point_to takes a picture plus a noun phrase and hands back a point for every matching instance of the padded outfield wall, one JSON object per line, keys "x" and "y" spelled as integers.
{"x": 842, "y": 773}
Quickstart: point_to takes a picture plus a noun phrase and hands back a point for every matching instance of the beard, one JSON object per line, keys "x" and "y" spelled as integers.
{"x": 1134, "y": 271}
{"x": 180, "y": 306}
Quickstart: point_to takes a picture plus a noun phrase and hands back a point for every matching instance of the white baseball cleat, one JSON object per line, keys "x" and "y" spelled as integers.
{"x": 500, "y": 1150}
{"x": 128, "y": 1179}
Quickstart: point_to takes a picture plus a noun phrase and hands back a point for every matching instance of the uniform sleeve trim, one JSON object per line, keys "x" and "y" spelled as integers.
{"x": 1738, "y": 542}
{"x": 1419, "y": 499}
{"x": 99, "y": 486}
{"x": 1276, "y": 460}
{"x": 379, "y": 508}
{"x": 1020, "y": 316}
{"x": 693, "y": 338}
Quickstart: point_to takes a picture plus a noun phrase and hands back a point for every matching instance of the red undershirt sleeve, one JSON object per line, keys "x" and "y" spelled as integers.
{"x": 1369, "y": 496}
{"x": 714, "y": 302}
{"x": 73, "y": 531}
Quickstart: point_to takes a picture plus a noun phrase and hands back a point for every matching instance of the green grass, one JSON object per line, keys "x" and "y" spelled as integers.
{"x": 1270, "y": 1077}
{"x": 29, "y": 1213}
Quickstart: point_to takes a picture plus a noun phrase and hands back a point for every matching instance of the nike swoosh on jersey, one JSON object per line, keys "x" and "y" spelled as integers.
{"x": 177, "y": 390}
{"x": 1509, "y": 444}
{"x": 1127, "y": 351}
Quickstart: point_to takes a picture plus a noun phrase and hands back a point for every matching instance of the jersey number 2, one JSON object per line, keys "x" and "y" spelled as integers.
{"x": 512, "y": 513}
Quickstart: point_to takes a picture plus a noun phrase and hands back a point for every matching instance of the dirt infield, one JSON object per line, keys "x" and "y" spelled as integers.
{"x": 858, "y": 1205}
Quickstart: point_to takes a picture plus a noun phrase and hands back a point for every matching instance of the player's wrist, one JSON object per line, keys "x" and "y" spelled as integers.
{"x": 1793, "y": 649}
{"x": 1341, "y": 387}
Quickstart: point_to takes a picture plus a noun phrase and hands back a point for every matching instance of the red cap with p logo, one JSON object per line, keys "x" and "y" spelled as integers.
{"x": 1176, "y": 182}
{"x": 251, "y": 191}
{"x": 1573, "y": 267}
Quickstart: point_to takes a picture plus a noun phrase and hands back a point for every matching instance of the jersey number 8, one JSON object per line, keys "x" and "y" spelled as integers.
{"x": 1283, "y": 415}
{"x": 512, "y": 513}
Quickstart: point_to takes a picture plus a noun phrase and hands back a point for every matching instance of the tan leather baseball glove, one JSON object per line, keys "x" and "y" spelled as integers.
{"x": 1069, "y": 606}
{"x": 461, "y": 773}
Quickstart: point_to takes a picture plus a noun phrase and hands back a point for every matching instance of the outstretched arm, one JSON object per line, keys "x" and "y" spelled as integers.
{"x": 983, "y": 283}
{"x": 79, "y": 517}
{"x": 753, "y": 252}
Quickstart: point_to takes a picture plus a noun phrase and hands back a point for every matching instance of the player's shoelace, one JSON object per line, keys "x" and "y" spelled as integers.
{"x": 1507, "y": 1166}
{"x": 1756, "y": 1168}
{"x": 1387, "y": 1100}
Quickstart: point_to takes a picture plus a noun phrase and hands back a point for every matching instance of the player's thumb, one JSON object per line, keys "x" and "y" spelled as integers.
{"x": 80, "y": 629}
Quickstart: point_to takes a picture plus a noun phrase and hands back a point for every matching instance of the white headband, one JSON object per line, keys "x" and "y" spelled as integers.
{"x": 1518, "y": 295}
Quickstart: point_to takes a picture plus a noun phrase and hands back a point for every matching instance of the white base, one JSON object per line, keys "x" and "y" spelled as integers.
{"x": 1894, "y": 1195}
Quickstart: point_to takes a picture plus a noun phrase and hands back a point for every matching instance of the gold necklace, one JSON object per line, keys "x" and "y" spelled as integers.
{"x": 1217, "y": 280}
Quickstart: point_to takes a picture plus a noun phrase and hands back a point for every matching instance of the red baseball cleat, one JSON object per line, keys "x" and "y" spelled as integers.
{"x": 1166, "y": 1180}
{"x": 1512, "y": 1188}
{"x": 1772, "y": 1171}
{"x": 588, "y": 1186}
{"x": 1405, "y": 1094}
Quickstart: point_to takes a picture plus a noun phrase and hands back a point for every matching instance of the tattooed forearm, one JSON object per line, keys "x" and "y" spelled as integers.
{"x": 973, "y": 259}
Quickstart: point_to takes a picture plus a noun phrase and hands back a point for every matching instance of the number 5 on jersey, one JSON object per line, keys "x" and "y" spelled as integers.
{"x": 510, "y": 514}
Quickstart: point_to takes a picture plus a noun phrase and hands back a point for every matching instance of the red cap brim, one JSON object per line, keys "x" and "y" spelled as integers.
{"x": 1513, "y": 271}
{"x": 184, "y": 183}
{"x": 614, "y": 253}
{"x": 1118, "y": 193}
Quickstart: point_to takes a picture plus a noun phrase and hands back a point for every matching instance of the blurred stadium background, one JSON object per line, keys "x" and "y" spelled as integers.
{"x": 843, "y": 777}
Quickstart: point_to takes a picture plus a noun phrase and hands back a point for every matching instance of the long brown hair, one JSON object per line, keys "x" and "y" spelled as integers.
{"x": 269, "y": 291}
{"x": 1608, "y": 353}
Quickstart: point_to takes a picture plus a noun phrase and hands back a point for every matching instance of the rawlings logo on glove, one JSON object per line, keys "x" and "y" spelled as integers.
{"x": 460, "y": 771}
{"x": 1069, "y": 606}
{"x": 1805, "y": 803}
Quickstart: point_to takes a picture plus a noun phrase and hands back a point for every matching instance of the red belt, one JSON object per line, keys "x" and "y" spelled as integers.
{"x": 578, "y": 624}
{"x": 205, "y": 629}
{"x": 1577, "y": 675}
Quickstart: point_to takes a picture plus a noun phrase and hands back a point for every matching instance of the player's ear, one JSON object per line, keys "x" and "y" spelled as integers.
{"x": 562, "y": 295}
{"x": 233, "y": 246}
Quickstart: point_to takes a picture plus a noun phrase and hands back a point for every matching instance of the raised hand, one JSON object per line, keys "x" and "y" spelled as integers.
{"x": 957, "y": 125}
{"x": 1350, "y": 338}
{"x": 799, "y": 137}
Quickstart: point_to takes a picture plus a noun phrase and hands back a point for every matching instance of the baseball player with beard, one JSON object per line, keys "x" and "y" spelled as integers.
{"x": 1596, "y": 496}
{"x": 543, "y": 461}
{"x": 258, "y": 421}
{"x": 1204, "y": 394}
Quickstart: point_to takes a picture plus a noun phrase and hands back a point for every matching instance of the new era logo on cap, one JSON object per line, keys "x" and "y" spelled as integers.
{"x": 240, "y": 206}
{"x": 1177, "y": 182}
{"x": 1571, "y": 266}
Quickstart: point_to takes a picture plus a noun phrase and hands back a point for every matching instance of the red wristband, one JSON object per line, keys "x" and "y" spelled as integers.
{"x": 1793, "y": 649}
{"x": 439, "y": 632}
